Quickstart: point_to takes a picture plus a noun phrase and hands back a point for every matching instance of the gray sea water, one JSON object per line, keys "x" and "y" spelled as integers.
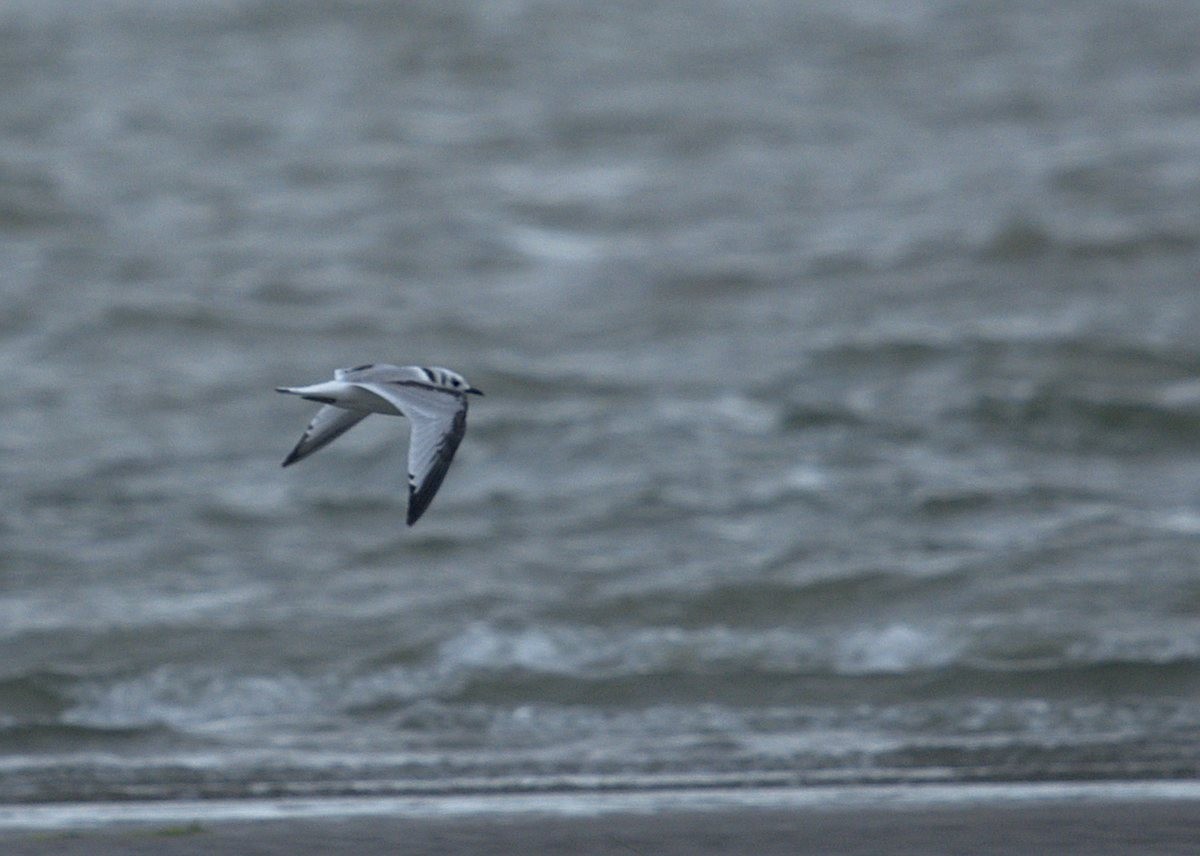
{"x": 843, "y": 394}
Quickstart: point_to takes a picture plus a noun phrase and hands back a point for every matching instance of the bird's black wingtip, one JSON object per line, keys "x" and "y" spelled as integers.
{"x": 417, "y": 505}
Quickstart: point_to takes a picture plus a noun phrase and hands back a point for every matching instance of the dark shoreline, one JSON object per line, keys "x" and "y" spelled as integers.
{"x": 1097, "y": 823}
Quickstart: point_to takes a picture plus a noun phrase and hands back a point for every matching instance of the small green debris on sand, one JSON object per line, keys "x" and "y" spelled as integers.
{"x": 192, "y": 828}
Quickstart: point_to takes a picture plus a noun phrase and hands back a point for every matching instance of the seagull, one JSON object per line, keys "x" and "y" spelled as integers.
{"x": 434, "y": 400}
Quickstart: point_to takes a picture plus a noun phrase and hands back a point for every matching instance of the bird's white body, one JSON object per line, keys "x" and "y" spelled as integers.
{"x": 348, "y": 396}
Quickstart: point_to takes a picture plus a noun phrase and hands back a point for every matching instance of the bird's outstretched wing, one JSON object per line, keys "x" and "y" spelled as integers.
{"x": 329, "y": 424}
{"x": 439, "y": 421}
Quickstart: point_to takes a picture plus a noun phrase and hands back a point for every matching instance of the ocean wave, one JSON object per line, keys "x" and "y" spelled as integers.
{"x": 33, "y": 697}
{"x": 190, "y": 699}
{"x": 543, "y": 744}
{"x": 53, "y": 738}
{"x": 1049, "y": 388}
{"x": 486, "y": 664}
{"x": 1061, "y": 414}
{"x": 1024, "y": 238}
{"x": 819, "y": 598}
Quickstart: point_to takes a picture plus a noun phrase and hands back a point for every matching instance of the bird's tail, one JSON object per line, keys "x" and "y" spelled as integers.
{"x": 326, "y": 392}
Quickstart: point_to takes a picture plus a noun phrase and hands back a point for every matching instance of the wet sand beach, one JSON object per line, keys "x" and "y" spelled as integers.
{"x": 1065, "y": 826}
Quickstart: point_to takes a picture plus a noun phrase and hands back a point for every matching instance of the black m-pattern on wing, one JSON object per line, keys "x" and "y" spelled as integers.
{"x": 329, "y": 424}
{"x": 423, "y": 487}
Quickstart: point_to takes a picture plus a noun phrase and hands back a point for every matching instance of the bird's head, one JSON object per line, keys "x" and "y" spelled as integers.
{"x": 454, "y": 381}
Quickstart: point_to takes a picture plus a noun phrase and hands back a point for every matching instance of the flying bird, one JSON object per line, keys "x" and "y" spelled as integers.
{"x": 434, "y": 400}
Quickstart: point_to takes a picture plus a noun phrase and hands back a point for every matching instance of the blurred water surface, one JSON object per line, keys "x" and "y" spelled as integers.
{"x": 842, "y": 415}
